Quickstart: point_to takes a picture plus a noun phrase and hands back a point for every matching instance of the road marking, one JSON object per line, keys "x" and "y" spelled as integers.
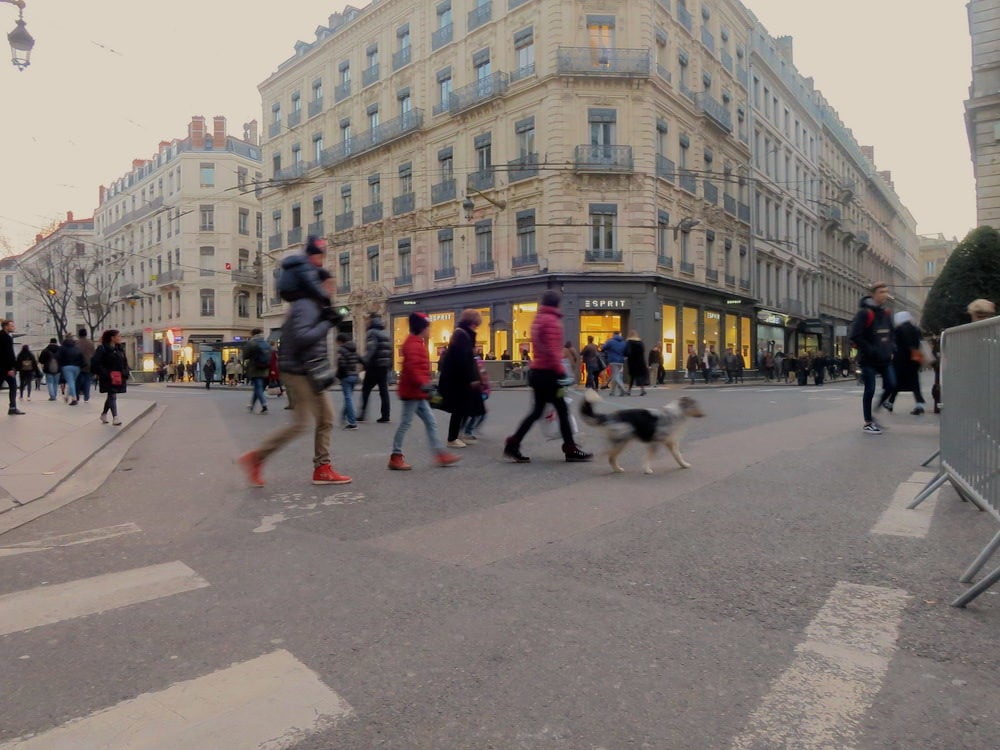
{"x": 44, "y": 605}
{"x": 896, "y": 520}
{"x": 299, "y": 505}
{"x": 69, "y": 540}
{"x": 271, "y": 702}
{"x": 819, "y": 701}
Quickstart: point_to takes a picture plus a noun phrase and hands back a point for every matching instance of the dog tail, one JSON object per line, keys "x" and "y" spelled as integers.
{"x": 590, "y": 398}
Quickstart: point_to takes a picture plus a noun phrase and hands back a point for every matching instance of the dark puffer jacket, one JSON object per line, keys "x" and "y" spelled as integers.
{"x": 303, "y": 336}
{"x": 378, "y": 347}
{"x": 871, "y": 332}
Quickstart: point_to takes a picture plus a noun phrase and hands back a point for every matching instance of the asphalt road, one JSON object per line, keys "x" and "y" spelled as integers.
{"x": 745, "y": 602}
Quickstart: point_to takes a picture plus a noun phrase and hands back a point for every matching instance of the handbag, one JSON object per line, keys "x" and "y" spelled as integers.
{"x": 116, "y": 378}
{"x": 320, "y": 373}
{"x": 436, "y": 400}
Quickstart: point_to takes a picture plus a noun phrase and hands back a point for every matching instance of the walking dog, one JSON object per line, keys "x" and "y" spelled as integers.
{"x": 665, "y": 425}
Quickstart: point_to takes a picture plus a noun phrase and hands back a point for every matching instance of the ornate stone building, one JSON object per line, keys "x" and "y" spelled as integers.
{"x": 982, "y": 108}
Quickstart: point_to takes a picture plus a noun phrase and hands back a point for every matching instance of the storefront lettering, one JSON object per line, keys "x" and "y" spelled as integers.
{"x": 441, "y": 316}
{"x": 770, "y": 318}
{"x": 605, "y": 304}
{"x": 712, "y": 315}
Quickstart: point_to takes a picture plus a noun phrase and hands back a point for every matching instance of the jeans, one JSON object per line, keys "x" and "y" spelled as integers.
{"x": 546, "y": 389}
{"x": 70, "y": 374}
{"x": 111, "y": 404}
{"x": 347, "y": 385}
{"x": 617, "y": 370}
{"x": 308, "y": 404}
{"x": 52, "y": 383}
{"x": 592, "y": 377}
{"x": 83, "y": 383}
{"x": 258, "y": 393}
{"x": 376, "y": 376}
{"x": 422, "y": 408}
{"x": 471, "y": 424}
{"x": 869, "y": 374}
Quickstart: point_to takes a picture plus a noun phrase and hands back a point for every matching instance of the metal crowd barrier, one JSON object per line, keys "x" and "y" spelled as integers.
{"x": 970, "y": 431}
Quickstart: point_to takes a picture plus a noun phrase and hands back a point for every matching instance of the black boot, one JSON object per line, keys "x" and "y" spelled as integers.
{"x": 512, "y": 451}
{"x": 575, "y": 455}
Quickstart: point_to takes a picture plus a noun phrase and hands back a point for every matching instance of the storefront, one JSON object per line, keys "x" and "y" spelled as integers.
{"x": 771, "y": 332}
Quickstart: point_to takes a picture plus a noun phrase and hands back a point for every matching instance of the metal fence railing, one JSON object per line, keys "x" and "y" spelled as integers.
{"x": 970, "y": 431}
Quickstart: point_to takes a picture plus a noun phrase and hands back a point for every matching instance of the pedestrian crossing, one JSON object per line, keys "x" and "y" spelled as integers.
{"x": 272, "y": 701}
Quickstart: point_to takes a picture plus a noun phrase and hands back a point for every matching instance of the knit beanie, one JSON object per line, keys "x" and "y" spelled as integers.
{"x": 551, "y": 298}
{"x": 418, "y": 322}
{"x": 312, "y": 248}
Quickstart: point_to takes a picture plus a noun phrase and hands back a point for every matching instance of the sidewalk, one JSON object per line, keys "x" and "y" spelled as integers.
{"x": 41, "y": 449}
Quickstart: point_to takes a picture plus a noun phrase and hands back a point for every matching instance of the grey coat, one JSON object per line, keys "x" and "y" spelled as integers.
{"x": 303, "y": 336}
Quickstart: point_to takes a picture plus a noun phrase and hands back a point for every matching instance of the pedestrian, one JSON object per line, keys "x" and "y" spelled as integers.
{"x": 378, "y": 362}
{"x": 472, "y": 423}
{"x": 415, "y": 386}
{"x": 111, "y": 368}
{"x": 8, "y": 364}
{"x": 693, "y": 364}
{"x": 171, "y": 372}
{"x": 790, "y": 368}
{"x": 304, "y": 360}
{"x": 547, "y": 381}
{"x": 593, "y": 363}
{"x": 209, "y": 372}
{"x": 706, "y": 365}
{"x": 49, "y": 360}
{"x": 656, "y": 372}
{"x": 731, "y": 364}
{"x": 635, "y": 358}
{"x": 258, "y": 358}
{"x": 505, "y": 355}
{"x": 459, "y": 383}
{"x": 86, "y": 378}
{"x": 907, "y": 361}
{"x": 70, "y": 365}
{"x": 348, "y": 365}
{"x": 871, "y": 333}
{"x": 614, "y": 352}
{"x": 819, "y": 367}
{"x": 180, "y": 371}
{"x": 27, "y": 367}
{"x": 572, "y": 358}
{"x": 981, "y": 309}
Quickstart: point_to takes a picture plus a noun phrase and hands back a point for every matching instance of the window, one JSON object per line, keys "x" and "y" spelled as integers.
{"x": 484, "y": 241}
{"x": 405, "y": 178}
{"x": 207, "y": 303}
{"x": 243, "y": 263}
{"x": 207, "y": 175}
{"x": 345, "y": 272}
{"x": 243, "y": 222}
{"x": 403, "y": 36}
{"x": 260, "y": 224}
{"x": 524, "y": 50}
{"x": 602, "y": 131}
{"x": 373, "y": 270}
{"x": 207, "y": 214}
{"x": 345, "y": 74}
{"x": 296, "y": 154}
{"x": 317, "y": 90}
{"x": 243, "y": 304}
{"x": 685, "y": 247}
{"x": 482, "y": 66}
{"x": 207, "y": 256}
{"x": 526, "y": 234}
{"x": 9, "y": 297}
{"x": 345, "y": 199}
{"x": 296, "y": 215}
{"x": 728, "y": 260}
{"x": 446, "y": 249}
{"x": 373, "y": 119}
{"x": 276, "y": 222}
{"x": 601, "y": 38}
{"x": 447, "y": 164}
{"x": 484, "y": 153}
{"x": 524, "y": 132}
{"x": 371, "y": 56}
{"x": 296, "y": 103}
{"x": 374, "y": 189}
{"x": 403, "y": 271}
{"x": 405, "y": 102}
{"x": 318, "y": 208}
{"x": 929, "y": 268}
{"x": 317, "y": 147}
{"x": 275, "y": 165}
{"x": 444, "y": 87}
{"x": 444, "y": 14}
{"x": 602, "y": 227}
{"x": 662, "y": 234}
{"x": 710, "y": 250}
{"x": 345, "y": 131}
{"x": 275, "y": 116}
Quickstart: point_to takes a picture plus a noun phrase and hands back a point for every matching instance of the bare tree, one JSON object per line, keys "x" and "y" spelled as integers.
{"x": 52, "y": 275}
{"x": 97, "y": 280}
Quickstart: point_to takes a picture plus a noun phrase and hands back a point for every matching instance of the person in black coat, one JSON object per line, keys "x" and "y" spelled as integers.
{"x": 111, "y": 368}
{"x": 635, "y": 360}
{"x": 906, "y": 361}
{"x": 8, "y": 363}
{"x": 459, "y": 382}
{"x": 27, "y": 369}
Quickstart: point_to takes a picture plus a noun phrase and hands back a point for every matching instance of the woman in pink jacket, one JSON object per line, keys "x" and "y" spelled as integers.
{"x": 547, "y": 370}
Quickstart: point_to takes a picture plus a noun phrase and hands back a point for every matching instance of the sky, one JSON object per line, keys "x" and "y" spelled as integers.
{"x": 108, "y": 81}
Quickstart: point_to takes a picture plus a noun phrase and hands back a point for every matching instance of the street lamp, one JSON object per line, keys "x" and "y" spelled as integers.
{"x": 470, "y": 206}
{"x": 20, "y": 40}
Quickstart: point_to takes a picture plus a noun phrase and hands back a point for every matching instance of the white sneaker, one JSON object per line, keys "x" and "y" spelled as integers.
{"x": 872, "y": 429}
{"x": 104, "y": 418}
{"x": 116, "y": 421}
{"x": 456, "y": 444}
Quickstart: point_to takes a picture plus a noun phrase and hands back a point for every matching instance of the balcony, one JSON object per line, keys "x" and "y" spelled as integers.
{"x": 665, "y": 168}
{"x": 126, "y": 289}
{"x": 692, "y": 95}
{"x": 743, "y": 78}
{"x": 316, "y": 229}
{"x": 245, "y": 276}
{"x": 707, "y": 39}
{"x": 274, "y": 128}
{"x": 404, "y": 204}
{"x": 483, "y": 266}
{"x": 603, "y": 256}
{"x": 403, "y": 280}
{"x": 478, "y": 92}
{"x": 371, "y": 213}
{"x": 717, "y": 112}
{"x": 711, "y": 192}
{"x": 600, "y": 159}
{"x": 743, "y": 213}
{"x": 444, "y": 273}
{"x": 481, "y": 180}
{"x": 275, "y": 241}
{"x": 342, "y": 91}
{"x": 526, "y": 72}
{"x": 441, "y": 107}
{"x": 628, "y": 63}
{"x": 343, "y": 221}
{"x": 344, "y": 288}
{"x": 727, "y": 61}
{"x": 398, "y": 127}
{"x": 862, "y": 238}
{"x": 793, "y": 306}
{"x": 830, "y": 214}
{"x": 291, "y": 171}
{"x": 745, "y": 284}
{"x": 480, "y": 14}
{"x": 663, "y": 73}
{"x": 729, "y": 204}
{"x": 684, "y": 16}
{"x": 524, "y": 261}
{"x": 711, "y": 275}
{"x": 522, "y": 168}
{"x": 294, "y": 236}
{"x": 294, "y": 118}
{"x": 369, "y": 75}
{"x": 442, "y": 36}
{"x": 315, "y": 107}
{"x": 730, "y": 280}
{"x": 688, "y": 181}
{"x": 687, "y": 268}
{"x": 275, "y": 300}
{"x": 665, "y": 261}
{"x": 173, "y": 276}
{"x": 443, "y": 191}
{"x": 401, "y": 58}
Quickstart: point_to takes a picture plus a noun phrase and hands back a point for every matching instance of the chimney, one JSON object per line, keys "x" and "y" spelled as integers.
{"x": 102, "y": 193}
{"x": 785, "y": 46}
{"x": 250, "y": 132}
{"x": 218, "y": 132}
{"x": 196, "y": 132}
{"x": 869, "y": 152}
{"x": 136, "y": 163}
{"x": 69, "y": 216}
{"x": 39, "y": 238}
{"x": 887, "y": 176}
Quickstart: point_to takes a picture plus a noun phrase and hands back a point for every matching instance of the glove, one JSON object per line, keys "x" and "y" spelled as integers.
{"x": 331, "y": 316}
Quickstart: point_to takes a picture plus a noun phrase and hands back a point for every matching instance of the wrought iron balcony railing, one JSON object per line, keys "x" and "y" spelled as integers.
{"x": 444, "y": 273}
{"x": 343, "y": 221}
{"x": 170, "y": 277}
{"x": 523, "y": 261}
{"x": 245, "y": 276}
{"x": 688, "y": 181}
{"x": 484, "y": 266}
{"x": 603, "y": 256}
{"x": 443, "y": 191}
{"x": 665, "y": 168}
{"x": 403, "y": 204}
{"x": 482, "y": 180}
{"x": 294, "y": 235}
{"x": 294, "y": 118}
{"x": 479, "y": 15}
{"x": 711, "y": 275}
{"x": 342, "y": 91}
{"x": 401, "y": 58}
{"x": 707, "y": 39}
{"x": 711, "y": 192}
{"x": 478, "y": 92}
{"x": 743, "y": 213}
{"x": 369, "y": 75}
{"x": 522, "y": 167}
{"x": 406, "y": 123}
{"x": 316, "y": 229}
{"x": 603, "y": 158}
{"x": 372, "y": 212}
{"x": 442, "y": 36}
{"x": 315, "y": 107}
{"x": 729, "y": 204}
{"x": 684, "y": 16}
{"x": 609, "y": 62}
{"x": 717, "y": 112}
{"x": 665, "y": 261}
{"x": 687, "y": 268}
{"x": 275, "y": 241}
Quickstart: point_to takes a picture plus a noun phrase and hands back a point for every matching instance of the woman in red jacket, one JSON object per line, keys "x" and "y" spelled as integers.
{"x": 415, "y": 388}
{"x": 547, "y": 370}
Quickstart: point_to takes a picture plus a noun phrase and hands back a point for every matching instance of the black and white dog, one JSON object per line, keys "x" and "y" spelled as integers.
{"x": 665, "y": 425}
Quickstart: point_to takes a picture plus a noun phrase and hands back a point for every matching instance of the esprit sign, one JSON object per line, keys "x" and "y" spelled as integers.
{"x": 605, "y": 304}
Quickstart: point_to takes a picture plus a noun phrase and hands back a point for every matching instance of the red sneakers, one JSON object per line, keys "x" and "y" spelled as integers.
{"x": 326, "y": 475}
{"x": 398, "y": 463}
{"x": 447, "y": 459}
{"x": 252, "y": 465}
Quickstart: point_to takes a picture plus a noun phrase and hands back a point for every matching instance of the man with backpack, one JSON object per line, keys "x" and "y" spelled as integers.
{"x": 258, "y": 359}
{"x": 378, "y": 361}
{"x": 871, "y": 333}
{"x": 49, "y": 360}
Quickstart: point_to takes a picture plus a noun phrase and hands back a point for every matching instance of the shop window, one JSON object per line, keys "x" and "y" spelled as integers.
{"x": 689, "y": 329}
{"x": 745, "y": 341}
{"x": 713, "y": 331}
{"x": 523, "y": 315}
{"x": 668, "y": 343}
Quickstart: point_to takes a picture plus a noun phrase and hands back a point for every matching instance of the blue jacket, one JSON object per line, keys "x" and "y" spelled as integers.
{"x": 614, "y": 349}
